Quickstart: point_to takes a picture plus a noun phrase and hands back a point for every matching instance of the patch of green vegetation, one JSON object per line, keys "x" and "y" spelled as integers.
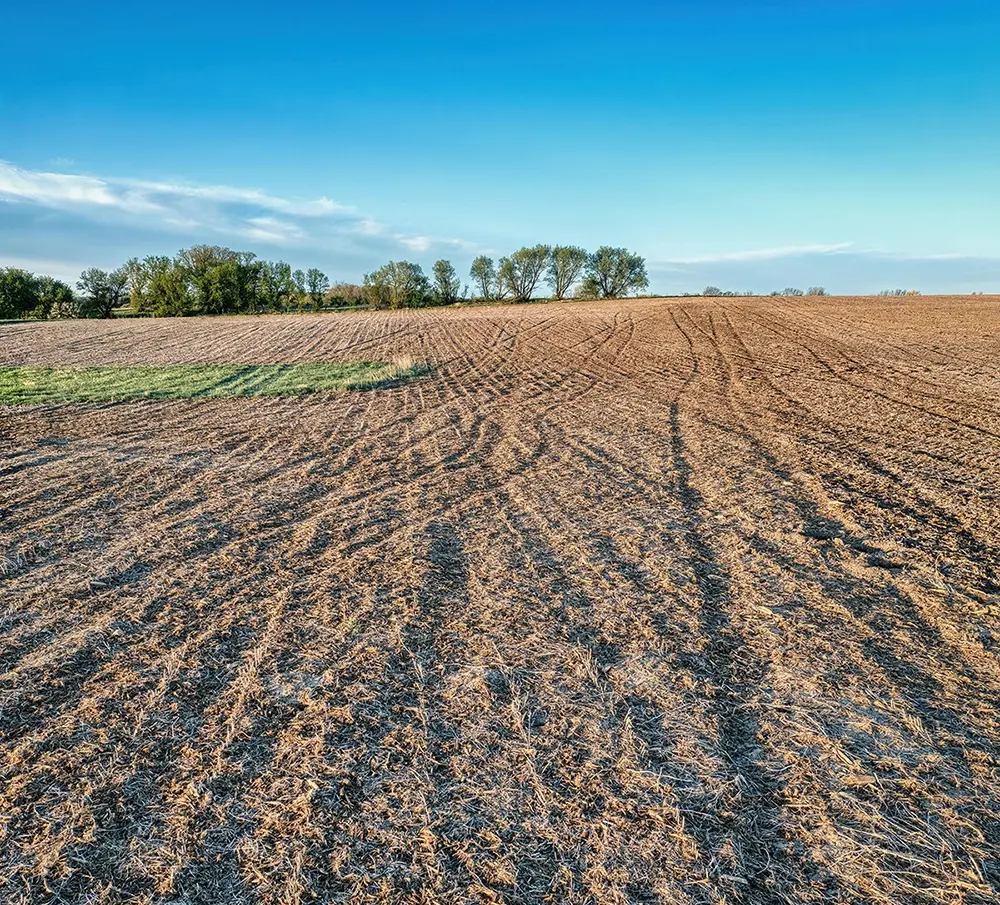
{"x": 34, "y": 386}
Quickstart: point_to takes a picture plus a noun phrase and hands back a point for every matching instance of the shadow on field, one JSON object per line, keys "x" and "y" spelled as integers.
{"x": 914, "y": 683}
{"x": 736, "y": 676}
{"x": 888, "y": 611}
{"x": 741, "y": 837}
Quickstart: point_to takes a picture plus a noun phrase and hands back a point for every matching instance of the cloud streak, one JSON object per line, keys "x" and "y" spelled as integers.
{"x": 200, "y": 211}
{"x": 104, "y": 220}
{"x": 767, "y": 254}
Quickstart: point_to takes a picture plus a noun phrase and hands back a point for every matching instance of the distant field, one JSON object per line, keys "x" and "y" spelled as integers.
{"x": 676, "y": 601}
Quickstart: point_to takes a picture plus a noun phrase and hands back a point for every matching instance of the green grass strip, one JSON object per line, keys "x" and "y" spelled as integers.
{"x": 35, "y": 386}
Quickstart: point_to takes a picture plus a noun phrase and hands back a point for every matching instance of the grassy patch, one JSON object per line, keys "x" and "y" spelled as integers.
{"x": 33, "y": 386}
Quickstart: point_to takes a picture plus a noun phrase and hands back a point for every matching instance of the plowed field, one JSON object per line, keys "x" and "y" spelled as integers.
{"x": 629, "y": 602}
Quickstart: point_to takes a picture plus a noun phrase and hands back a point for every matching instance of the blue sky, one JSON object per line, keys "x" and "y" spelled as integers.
{"x": 750, "y": 145}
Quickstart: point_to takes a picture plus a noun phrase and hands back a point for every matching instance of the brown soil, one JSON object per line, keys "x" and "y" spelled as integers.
{"x": 629, "y": 602}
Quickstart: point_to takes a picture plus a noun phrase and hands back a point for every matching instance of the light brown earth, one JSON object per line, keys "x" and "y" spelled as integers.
{"x": 629, "y": 602}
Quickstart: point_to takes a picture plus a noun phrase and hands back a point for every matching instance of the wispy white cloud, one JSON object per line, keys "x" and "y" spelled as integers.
{"x": 224, "y": 194}
{"x": 273, "y": 229}
{"x": 100, "y": 217}
{"x": 766, "y": 254}
{"x": 202, "y": 211}
{"x": 414, "y": 243}
{"x": 66, "y": 270}
{"x": 370, "y": 227}
{"x": 65, "y": 190}
{"x": 946, "y": 256}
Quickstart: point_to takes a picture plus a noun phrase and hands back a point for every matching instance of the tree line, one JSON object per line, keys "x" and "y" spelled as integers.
{"x": 23, "y": 294}
{"x": 203, "y": 279}
{"x": 211, "y": 279}
{"x": 715, "y": 292}
{"x": 606, "y": 273}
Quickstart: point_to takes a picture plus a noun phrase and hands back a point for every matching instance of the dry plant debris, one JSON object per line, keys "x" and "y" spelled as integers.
{"x": 628, "y": 602}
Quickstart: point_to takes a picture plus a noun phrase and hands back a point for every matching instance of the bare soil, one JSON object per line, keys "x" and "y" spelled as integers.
{"x": 628, "y": 602}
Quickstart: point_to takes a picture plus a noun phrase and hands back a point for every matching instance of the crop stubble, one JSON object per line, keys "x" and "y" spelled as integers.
{"x": 629, "y": 602}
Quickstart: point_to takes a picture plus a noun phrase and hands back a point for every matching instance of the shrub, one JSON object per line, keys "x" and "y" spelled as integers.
{"x": 345, "y": 294}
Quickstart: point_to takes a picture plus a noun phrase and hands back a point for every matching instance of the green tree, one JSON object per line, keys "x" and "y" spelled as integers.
{"x": 521, "y": 272}
{"x": 376, "y": 287}
{"x": 248, "y": 282}
{"x": 317, "y": 284}
{"x": 276, "y": 284}
{"x": 447, "y": 285}
{"x": 299, "y": 288}
{"x": 169, "y": 292}
{"x": 484, "y": 276}
{"x": 615, "y": 273}
{"x": 19, "y": 293}
{"x": 55, "y": 299}
{"x": 103, "y": 291}
{"x": 117, "y": 288}
{"x": 398, "y": 284}
{"x": 204, "y": 265}
{"x": 163, "y": 287}
{"x": 137, "y": 276}
{"x": 346, "y": 294}
{"x": 565, "y": 264}
{"x": 217, "y": 289}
